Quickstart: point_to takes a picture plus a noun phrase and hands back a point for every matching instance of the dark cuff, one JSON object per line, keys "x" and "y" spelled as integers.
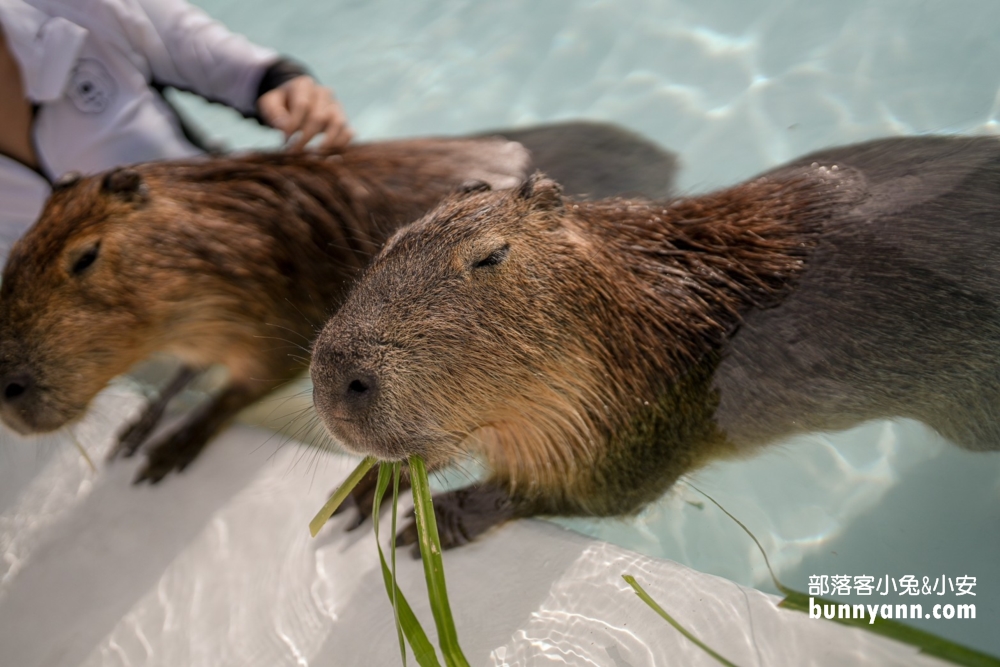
{"x": 279, "y": 72}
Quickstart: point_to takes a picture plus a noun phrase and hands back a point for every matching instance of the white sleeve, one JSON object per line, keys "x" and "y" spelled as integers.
{"x": 189, "y": 50}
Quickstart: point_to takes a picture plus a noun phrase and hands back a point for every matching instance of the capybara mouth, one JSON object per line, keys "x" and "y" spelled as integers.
{"x": 358, "y": 438}
{"x": 31, "y": 422}
{"x": 371, "y": 435}
{"x": 16, "y": 423}
{"x": 28, "y": 408}
{"x": 351, "y": 404}
{"x": 34, "y": 398}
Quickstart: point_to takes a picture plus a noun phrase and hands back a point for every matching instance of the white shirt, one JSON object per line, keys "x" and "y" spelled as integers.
{"x": 89, "y": 64}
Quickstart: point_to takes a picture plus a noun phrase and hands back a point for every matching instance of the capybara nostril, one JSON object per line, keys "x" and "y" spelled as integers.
{"x": 342, "y": 393}
{"x": 361, "y": 391}
{"x": 16, "y": 387}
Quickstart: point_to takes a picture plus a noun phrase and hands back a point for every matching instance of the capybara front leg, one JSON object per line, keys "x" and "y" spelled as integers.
{"x": 180, "y": 447}
{"x": 463, "y": 515}
{"x": 136, "y": 433}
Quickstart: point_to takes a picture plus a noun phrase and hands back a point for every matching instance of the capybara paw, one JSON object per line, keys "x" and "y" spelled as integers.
{"x": 174, "y": 453}
{"x": 133, "y": 435}
{"x": 462, "y": 516}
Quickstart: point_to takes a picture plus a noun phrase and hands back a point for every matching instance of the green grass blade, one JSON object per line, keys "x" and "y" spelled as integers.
{"x": 430, "y": 551}
{"x": 644, "y": 596}
{"x": 392, "y": 554}
{"x": 339, "y": 495}
{"x": 386, "y": 471}
{"x": 406, "y": 621}
{"x": 927, "y": 642}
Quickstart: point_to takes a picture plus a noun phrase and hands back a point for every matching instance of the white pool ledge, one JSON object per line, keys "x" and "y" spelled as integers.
{"x": 216, "y": 567}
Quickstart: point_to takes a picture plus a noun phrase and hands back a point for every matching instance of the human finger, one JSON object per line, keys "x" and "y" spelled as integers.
{"x": 318, "y": 117}
{"x": 338, "y": 133}
{"x": 300, "y": 93}
{"x": 273, "y": 108}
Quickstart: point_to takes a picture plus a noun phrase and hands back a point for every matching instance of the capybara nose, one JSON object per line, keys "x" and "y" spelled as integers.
{"x": 16, "y": 388}
{"x": 360, "y": 392}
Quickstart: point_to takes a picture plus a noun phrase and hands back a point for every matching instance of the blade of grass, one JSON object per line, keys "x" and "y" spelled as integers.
{"x": 406, "y": 621}
{"x": 392, "y": 554}
{"x": 385, "y": 471}
{"x": 644, "y": 596}
{"x": 339, "y": 495}
{"x": 927, "y": 642}
{"x": 430, "y": 552}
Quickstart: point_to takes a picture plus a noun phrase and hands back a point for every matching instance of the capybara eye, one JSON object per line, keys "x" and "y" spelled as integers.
{"x": 494, "y": 258}
{"x": 85, "y": 260}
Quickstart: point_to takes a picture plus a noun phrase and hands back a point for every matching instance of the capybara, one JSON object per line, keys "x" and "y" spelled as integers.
{"x": 592, "y": 353}
{"x": 235, "y": 261}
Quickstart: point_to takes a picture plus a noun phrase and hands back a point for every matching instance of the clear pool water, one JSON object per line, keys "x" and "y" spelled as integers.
{"x": 734, "y": 87}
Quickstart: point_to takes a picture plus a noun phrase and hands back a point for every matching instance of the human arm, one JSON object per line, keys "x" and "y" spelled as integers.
{"x": 189, "y": 50}
{"x": 303, "y": 108}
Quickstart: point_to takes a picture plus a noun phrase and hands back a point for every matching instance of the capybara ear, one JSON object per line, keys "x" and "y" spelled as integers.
{"x": 66, "y": 180}
{"x": 543, "y": 193}
{"x": 474, "y": 185}
{"x": 126, "y": 183}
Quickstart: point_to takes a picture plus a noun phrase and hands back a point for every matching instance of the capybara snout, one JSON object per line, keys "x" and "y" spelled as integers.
{"x": 17, "y": 387}
{"x": 348, "y": 389}
{"x": 363, "y": 387}
{"x": 350, "y": 381}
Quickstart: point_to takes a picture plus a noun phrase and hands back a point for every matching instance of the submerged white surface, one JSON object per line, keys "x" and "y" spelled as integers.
{"x": 216, "y": 568}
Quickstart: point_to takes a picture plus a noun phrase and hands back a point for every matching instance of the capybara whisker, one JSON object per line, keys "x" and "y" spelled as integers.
{"x": 289, "y": 343}
{"x": 308, "y": 321}
{"x": 289, "y": 330}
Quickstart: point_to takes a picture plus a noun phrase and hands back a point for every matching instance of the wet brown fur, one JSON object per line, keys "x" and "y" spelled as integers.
{"x": 579, "y": 365}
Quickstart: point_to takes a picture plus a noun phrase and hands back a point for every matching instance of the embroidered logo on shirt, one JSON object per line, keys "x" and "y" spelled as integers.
{"x": 91, "y": 88}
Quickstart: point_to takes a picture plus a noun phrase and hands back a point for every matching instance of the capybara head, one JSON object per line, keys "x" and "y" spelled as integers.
{"x": 473, "y": 321}
{"x": 118, "y": 266}
{"x": 61, "y": 280}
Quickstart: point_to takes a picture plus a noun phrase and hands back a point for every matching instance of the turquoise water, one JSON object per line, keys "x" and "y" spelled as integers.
{"x": 732, "y": 87}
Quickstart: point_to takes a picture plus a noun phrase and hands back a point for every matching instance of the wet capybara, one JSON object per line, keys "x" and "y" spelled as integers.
{"x": 232, "y": 261}
{"x": 592, "y": 353}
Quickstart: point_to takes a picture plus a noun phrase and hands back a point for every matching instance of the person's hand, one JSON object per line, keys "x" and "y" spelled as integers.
{"x": 301, "y": 106}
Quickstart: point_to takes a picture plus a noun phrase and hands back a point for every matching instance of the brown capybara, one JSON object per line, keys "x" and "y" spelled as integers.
{"x": 233, "y": 261}
{"x": 592, "y": 353}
